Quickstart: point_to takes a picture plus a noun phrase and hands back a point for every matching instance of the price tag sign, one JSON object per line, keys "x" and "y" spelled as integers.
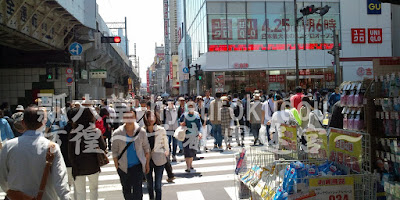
{"x": 333, "y": 188}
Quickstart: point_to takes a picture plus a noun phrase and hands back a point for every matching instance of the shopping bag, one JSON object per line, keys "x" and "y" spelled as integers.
{"x": 180, "y": 133}
{"x": 262, "y": 134}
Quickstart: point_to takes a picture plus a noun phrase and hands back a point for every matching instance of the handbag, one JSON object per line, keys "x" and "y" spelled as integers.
{"x": 102, "y": 158}
{"x": 18, "y": 195}
{"x": 180, "y": 133}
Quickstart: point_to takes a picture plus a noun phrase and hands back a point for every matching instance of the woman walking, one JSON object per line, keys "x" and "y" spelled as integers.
{"x": 191, "y": 120}
{"x": 158, "y": 141}
{"x": 131, "y": 154}
{"x": 83, "y": 153}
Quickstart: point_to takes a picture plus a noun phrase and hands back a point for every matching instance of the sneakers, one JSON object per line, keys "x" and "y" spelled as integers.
{"x": 187, "y": 170}
{"x": 215, "y": 146}
{"x": 173, "y": 158}
{"x": 171, "y": 180}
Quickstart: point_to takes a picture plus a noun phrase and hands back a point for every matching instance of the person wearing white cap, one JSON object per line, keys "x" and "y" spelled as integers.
{"x": 17, "y": 118}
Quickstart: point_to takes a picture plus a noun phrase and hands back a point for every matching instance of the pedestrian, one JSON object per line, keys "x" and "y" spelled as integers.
{"x": 191, "y": 120}
{"x": 296, "y": 99}
{"x": 171, "y": 124}
{"x": 203, "y": 111}
{"x": 6, "y": 132}
{"x": 84, "y": 154}
{"x": 158, "y": 141}
{"x": 281, "y": 116}
{"x": 23, "y": 160}
{"x": 215, "y": 119}
{"x": 105, "y": 116}
{"x": 255, "y": 119}
{"x": 226, "y": 118}
{"x": 335, "y": 97}
{"x": 131, "y": 155}
{"x": 64, "y": 138}
{"x": 315, "y": 117}
{"x": 17, "y": 121}
{"x": 268, "y": 109}
{"x": 238, "y": 119}
{"x": 305, "y": 110}
{"x": 182, "y": 108}
{"x": 140, "y": 112}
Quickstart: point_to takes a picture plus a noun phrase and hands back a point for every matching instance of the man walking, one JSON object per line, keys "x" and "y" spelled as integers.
{"x": 215, "y": 119}
{"x": 295, "y": 100}
{"x": 255, "y": 119}
{"x": 30, "y": 149}
{"x": 268, "y": 108}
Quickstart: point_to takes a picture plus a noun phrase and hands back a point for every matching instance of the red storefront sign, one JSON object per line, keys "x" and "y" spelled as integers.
{"x": 374, "y": 35}
{"x": 241, "y": 65}
{"x": 148, "y": 81}
{"x": 329, "y": 77}
{"x": 358, "y": 35}
{"x": 221, "y": 29}
{"x": 171, "y": 71}
{"x": 276, "y": 78}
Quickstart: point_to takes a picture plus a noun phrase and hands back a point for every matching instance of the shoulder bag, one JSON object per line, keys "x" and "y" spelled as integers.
{"x": 18, "y": 195}
{"x": 129, "y": 144}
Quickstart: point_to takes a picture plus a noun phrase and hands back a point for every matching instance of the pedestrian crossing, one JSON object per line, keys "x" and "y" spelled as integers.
{"x": 212, "y": 176}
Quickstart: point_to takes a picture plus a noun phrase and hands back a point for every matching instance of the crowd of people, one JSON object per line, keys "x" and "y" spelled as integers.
{"x": 140, "y": 132}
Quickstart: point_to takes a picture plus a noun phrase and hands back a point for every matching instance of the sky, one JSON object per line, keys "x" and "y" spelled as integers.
{"x": 145, "y": 25}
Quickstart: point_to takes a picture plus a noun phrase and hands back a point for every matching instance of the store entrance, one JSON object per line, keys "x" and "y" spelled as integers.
{"x": 237, "y": 81}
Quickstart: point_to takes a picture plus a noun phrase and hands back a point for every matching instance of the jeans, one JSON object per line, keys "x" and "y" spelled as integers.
{"x": 217, "y": 134}
{"x": 155, "y": 184}
{"x": 255, "y": 128}
{"x": 132, "y": 181}
{"x": 268, "y": 137}
{"x": 80, "y": 186}
{"x": 174, "y": 144}
{"x": 168, "y": 168}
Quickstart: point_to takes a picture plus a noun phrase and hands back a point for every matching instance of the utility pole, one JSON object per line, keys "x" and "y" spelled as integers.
{"x": 296, "y": 41}
{"x": 338, "y": 79}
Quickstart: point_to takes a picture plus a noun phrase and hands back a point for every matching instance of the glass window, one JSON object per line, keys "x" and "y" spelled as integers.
{"x": 237, "y": 28}
{"x": 236, "y": 8}
{"x": 219, "y": 31}
{"x": 290, "y": 29}
{"x": 274, "y": 26}
{"x": 312, "y": 29}
{"x": 256, "y": 36}
{"x": 331, "y": 22}
{"x": 216, "y": 8}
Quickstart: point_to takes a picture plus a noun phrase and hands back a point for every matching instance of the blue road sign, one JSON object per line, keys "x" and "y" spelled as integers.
{"x": 185, "y": 70}
{"x": 75, "y": 49}
{"x": 70, "y": 80}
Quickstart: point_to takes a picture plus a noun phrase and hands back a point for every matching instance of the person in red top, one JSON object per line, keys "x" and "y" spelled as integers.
{"x": 295, "y": 100}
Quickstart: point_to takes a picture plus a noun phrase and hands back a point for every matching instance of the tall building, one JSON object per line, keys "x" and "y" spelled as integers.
{"x": 247, "y": 45}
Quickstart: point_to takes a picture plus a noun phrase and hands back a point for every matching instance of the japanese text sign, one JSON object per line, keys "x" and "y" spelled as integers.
{"x": 333, "y": 188}
{"x": 358, "y": 35}
{"x": 345, "y": 148}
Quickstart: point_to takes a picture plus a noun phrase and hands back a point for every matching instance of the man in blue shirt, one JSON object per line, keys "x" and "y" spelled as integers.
{"x": 335, "y": 97}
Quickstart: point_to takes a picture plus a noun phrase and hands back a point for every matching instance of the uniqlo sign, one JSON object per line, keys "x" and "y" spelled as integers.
{"x": 374, "y": 35}
{"x": 358, "y": 35}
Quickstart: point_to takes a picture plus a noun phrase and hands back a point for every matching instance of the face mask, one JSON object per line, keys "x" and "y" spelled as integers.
{"x": 191, "y": 109}
{"x": 144, "y": 108}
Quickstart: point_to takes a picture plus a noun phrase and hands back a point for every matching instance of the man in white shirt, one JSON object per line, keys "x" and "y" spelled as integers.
{"x": 207, "y": 99}
{"x": 140, "y": 112}
{"x": 268, "y": 108}
{"x": 23, "y": 159}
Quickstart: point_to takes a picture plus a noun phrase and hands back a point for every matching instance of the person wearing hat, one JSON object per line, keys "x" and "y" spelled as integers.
{"x": 17, "y": 120}
{"x": 255, "y": 118}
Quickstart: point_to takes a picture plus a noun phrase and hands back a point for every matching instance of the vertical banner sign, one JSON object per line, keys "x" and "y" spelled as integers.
{"x": 345, "y": 148}
{"x": 166, "y": 37}
{"x": 358, "y": 35}
{"x": 374, "y": 35}
{"x": 148, "y": 80}
{"x": 219, "y": 81}
{"x": 374, "y": 7}
{"x": 130, "y": 85}
{"x": 171, "y": 71}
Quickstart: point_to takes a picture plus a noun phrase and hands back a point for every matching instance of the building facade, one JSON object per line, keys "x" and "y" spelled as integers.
{"x": 248, "y": 45}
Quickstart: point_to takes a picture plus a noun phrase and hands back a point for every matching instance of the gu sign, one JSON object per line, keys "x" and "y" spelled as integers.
{"x": 374, "y": 7}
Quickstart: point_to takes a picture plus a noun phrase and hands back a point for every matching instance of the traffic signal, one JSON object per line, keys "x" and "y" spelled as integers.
{"x": 324, "y": 10}
{"x": 113, "y": 39}
{"x": 308, "y": 10}
{"x": 49, "y": 73}
{"x": 199, "y": 75}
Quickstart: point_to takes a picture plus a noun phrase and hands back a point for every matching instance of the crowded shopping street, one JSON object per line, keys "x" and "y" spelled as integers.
{"x": 200, "y": 100}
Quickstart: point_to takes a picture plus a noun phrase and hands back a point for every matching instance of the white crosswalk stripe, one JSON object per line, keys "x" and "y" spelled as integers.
{"x": 215, "y": 168}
